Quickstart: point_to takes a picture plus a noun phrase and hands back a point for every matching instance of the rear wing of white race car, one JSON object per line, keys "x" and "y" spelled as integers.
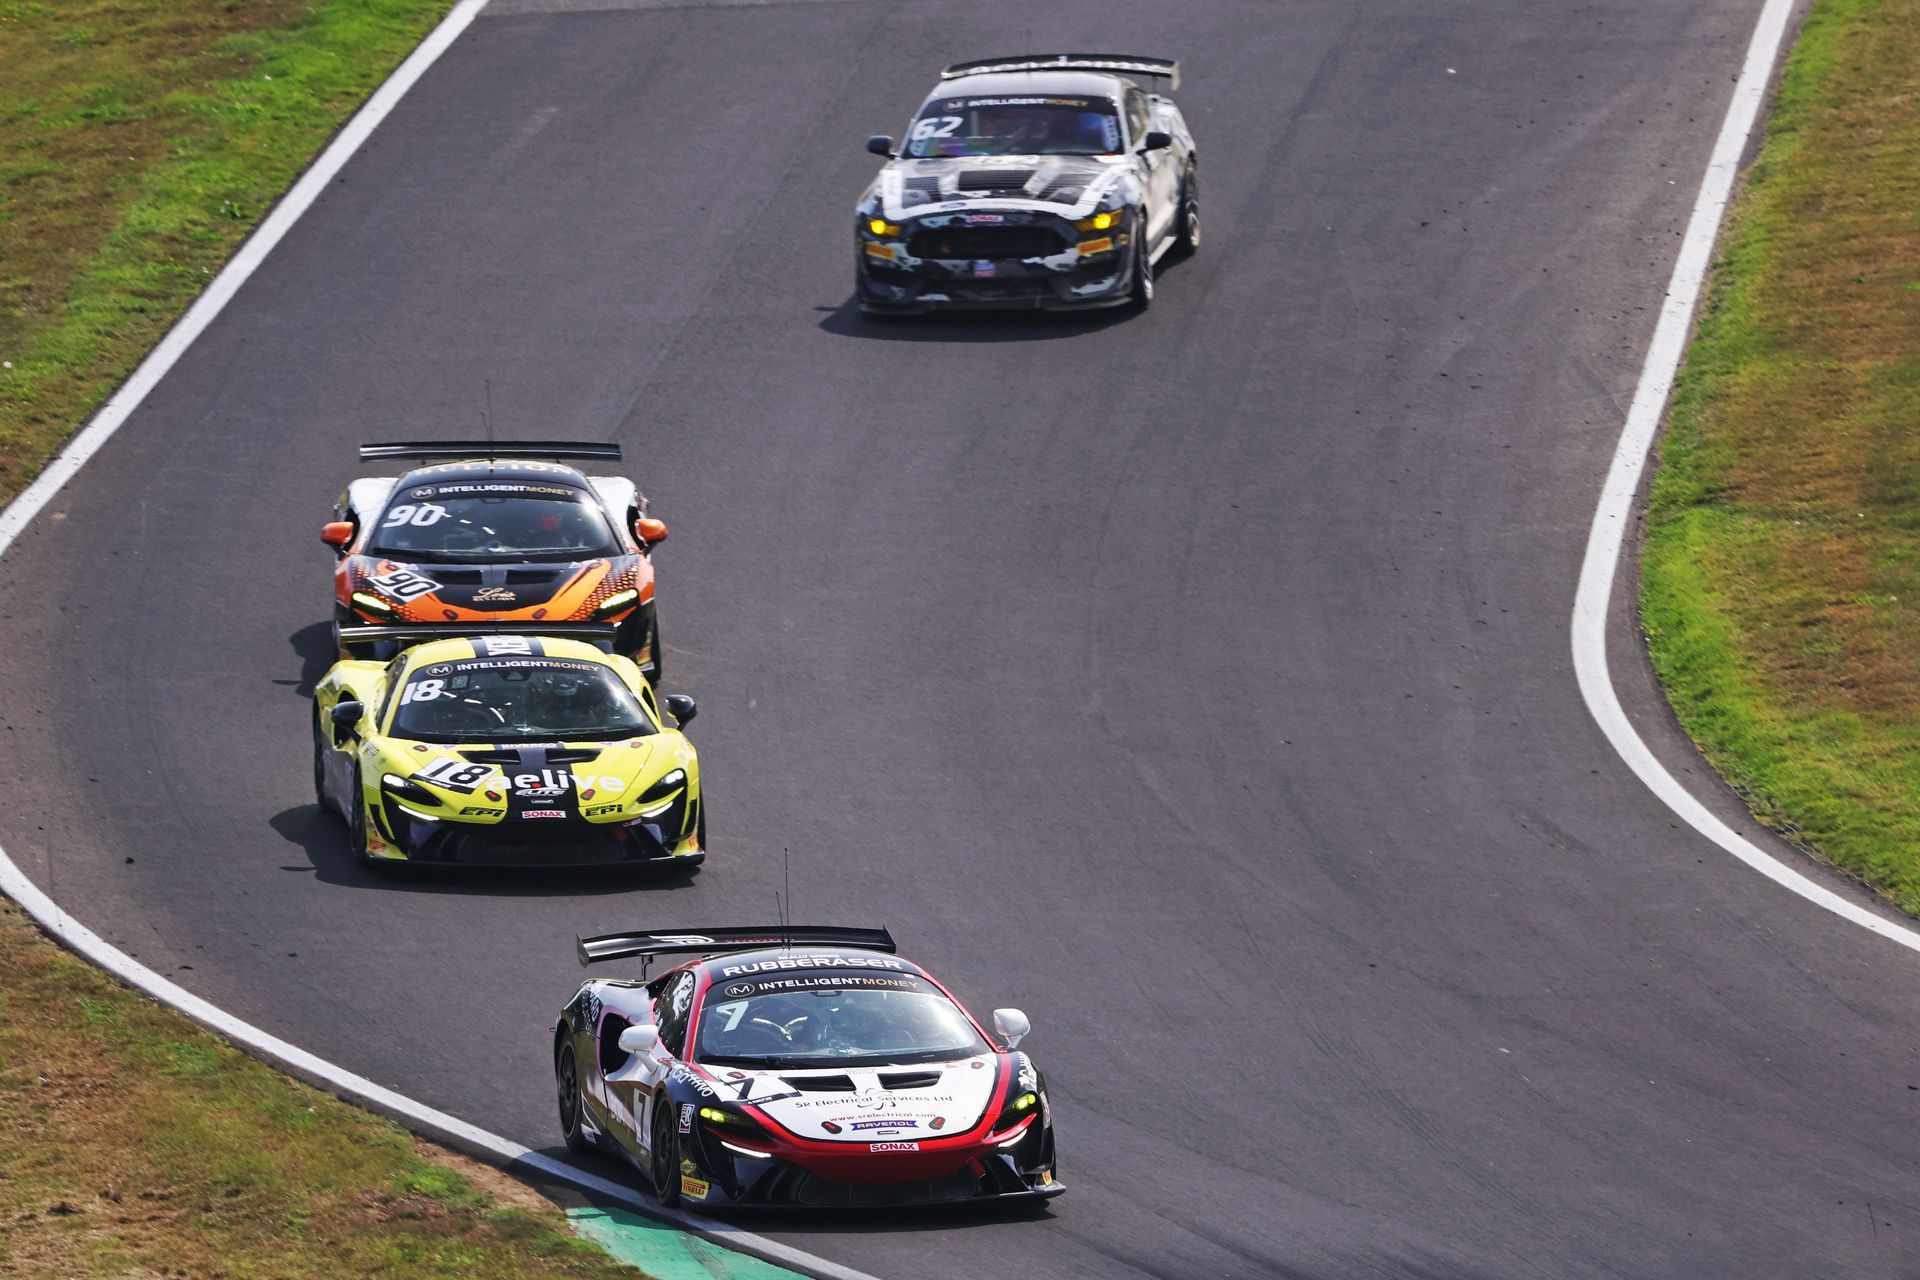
{"x": 713, "y": 942}
{"x": 1124, "y": 63}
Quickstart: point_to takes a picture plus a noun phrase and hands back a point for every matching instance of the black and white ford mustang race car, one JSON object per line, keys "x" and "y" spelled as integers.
{"x": 1046, "y": 180}
{"x": 799, "y": 1065}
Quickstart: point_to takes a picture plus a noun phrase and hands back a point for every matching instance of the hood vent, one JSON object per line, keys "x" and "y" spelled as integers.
{"x": 909, "y": 1079}
{"x": 531, "y": 577}
{"x": 820, "y": 1084}
{"x": 1012, "y": 182}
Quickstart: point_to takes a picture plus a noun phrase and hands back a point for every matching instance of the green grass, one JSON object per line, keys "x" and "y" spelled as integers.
{"x": 1781, "y": 592}
{"x": 140, "y": 141}
{"x": 132, "y": 1143}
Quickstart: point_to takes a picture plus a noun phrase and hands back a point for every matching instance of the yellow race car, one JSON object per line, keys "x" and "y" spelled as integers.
{"x": 502, "y": 750}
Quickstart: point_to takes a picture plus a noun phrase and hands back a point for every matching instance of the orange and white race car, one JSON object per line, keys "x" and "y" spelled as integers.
{"x": 487, "y": 534}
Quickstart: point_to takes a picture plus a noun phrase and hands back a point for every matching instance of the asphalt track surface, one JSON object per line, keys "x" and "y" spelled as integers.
{"x": 1198, "y": 681}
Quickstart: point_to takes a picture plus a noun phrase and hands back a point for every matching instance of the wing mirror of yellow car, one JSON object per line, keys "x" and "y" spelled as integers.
{"x": 346, "y": 717}
{"x": 649, "y": 530}
{"x": 681, "y": 707}
{"x": 337, "y": 534}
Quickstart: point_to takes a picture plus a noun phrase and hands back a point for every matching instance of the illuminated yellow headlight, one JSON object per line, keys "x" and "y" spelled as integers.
{"x": 1100, "y": 221}
{"x": 881, "y": 227}
{"x": 371, "y": 603}
{"x": 616, "y": 602}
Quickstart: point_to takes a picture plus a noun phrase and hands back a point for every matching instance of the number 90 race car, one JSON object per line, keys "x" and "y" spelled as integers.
{"x": 507, "y": 750}
{"x": 1043, "y": 180}
{"x": 493, "y": 534}
{"x": 800, "y": 1066}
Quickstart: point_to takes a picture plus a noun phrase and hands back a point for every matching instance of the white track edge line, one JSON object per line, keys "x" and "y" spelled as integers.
{"x": 1615, "y": 510}
{"x": 90, "y": 945}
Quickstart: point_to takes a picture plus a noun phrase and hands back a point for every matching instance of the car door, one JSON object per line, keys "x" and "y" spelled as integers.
{"x": 1157, "y": 169}
{"x": 672, "y": 1009}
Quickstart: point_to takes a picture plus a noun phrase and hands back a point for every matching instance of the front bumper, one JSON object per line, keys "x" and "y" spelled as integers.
{"x": 890, "y": 279}
{"x": 830, "y": 1175}
{"x": 512, "y": 842}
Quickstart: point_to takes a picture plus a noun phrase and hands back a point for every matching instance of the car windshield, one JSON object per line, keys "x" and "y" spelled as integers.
{"x": 1031, "y": 126}
{"x": 517, "y": 700}
{"x": 493, "y": 521}
{"x": 830, "y": 1018}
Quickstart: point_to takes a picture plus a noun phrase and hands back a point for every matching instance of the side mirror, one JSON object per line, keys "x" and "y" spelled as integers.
{"x": 649, "y": 530}
{"x": 337, "y": 534}
{"x": 642, "y": 1068}
{"x": 640, "y": 1039}
{"x": 347, "y": 714}
{"x": 1012, "y": 1025}
{"x": 881, "y": 145}
{"x": 681, "y": 707}
{"x": 1156, "y": 141}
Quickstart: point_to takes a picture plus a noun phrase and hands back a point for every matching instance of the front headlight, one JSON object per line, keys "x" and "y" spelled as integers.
{"x": 407, "y": 789}
{"x": 880, "y": 228}
{"x": 370, "y": 602}
{"x": 616, "y": 602}
{"x": 1105, "y": 220}
{"x": 659, "y": 797}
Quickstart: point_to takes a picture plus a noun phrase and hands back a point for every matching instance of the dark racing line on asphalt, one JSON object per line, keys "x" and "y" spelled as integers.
{"x": 1196, "y": 682}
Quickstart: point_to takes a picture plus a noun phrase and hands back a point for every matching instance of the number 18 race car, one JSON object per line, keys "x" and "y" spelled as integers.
{"x": 493, "y": 534}
{"x": 1044, "y": 180}
{"x": 507, "y": 750}
{"x": 803, "y": 1065}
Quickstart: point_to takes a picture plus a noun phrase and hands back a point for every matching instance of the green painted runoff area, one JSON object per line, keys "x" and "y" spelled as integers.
{"x": 666, "y": 1252}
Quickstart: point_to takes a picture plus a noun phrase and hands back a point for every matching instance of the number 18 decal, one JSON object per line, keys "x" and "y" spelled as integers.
{"x": 454, "y": 773}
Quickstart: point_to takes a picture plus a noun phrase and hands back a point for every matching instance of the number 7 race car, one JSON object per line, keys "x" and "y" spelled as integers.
{"x": 1042, "y": 180}
{"x": 802, "y": 1065}
{"x": 506, "y": 749}
{"x": 493, "y": 535}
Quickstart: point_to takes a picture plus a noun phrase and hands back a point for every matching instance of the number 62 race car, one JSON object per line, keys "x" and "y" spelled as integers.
{"x": 1042, "y": 180}
{"x": 799, "y": 1065}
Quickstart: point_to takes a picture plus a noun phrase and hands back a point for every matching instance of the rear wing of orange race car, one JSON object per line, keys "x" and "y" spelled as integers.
{"x": 408, "y": 635}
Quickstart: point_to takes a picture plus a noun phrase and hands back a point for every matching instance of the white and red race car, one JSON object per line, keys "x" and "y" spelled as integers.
{"x": 799, "y": 1065}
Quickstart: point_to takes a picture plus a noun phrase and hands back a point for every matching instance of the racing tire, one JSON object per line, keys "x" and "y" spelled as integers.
{"x": 1140, "y": 294}
{"x": 663, "y": 1165}
{"x": 357, "y": 823}
{"x": 653, "y": 647}
{"x": 1186, "y": 235}
{"x": 566, "y": 1083}
{"x": 320, "y": 748}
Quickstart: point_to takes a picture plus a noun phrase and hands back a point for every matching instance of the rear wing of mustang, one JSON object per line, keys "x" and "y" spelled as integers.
{"x": 406, "y": 636}
{"x": 1124, "y": 63}
{"x": 710, "y": 942}
{"x": 425, "y": 449}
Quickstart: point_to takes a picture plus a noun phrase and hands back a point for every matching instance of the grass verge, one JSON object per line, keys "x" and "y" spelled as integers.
{"x": 1781, "y": 573}
{"x": 134, "y": 1144}
{"x": 140, "y": 141}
